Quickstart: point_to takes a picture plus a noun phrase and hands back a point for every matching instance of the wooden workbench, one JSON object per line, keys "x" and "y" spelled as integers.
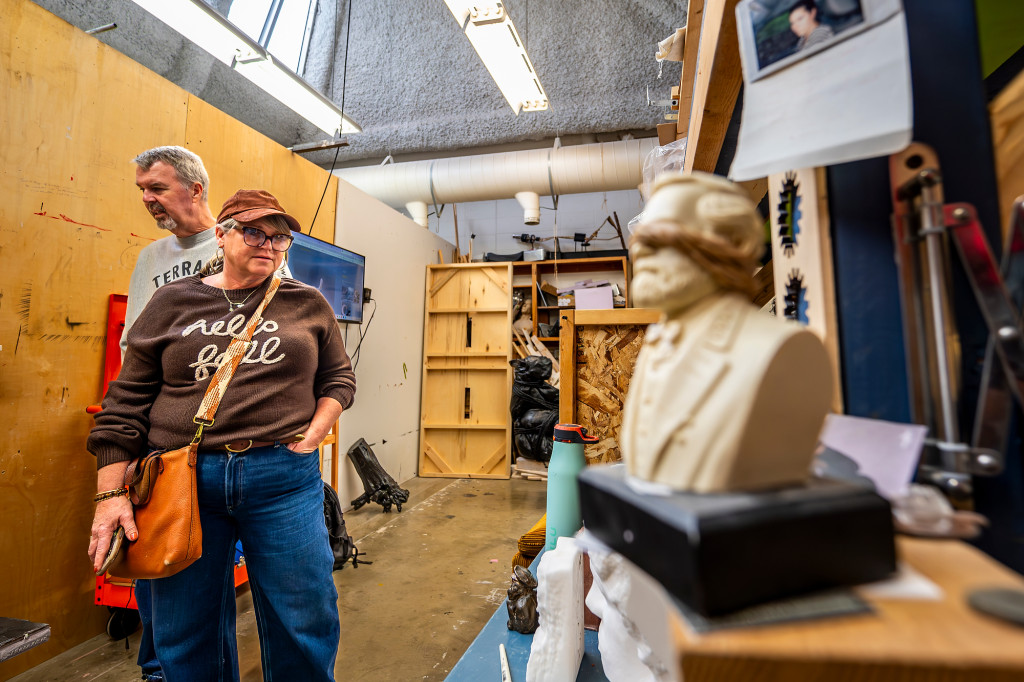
{"x": 903, "y": 641}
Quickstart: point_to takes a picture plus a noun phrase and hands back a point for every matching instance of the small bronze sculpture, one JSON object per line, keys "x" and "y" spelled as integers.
{"x": 522, "y": 601}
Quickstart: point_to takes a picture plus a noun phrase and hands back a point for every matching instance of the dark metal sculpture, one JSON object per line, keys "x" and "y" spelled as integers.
{"x": 522, "y": 601}
{"x": 378, "y": 485}
{"x": 534, "y": 408}
{"x": 342, "y": 544}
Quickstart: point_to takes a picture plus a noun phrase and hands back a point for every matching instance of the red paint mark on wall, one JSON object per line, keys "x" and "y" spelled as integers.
{"x": 66, "y": 219}
{"x": 149, "y": 239}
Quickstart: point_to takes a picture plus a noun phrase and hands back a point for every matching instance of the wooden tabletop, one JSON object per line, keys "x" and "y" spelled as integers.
{"x": 905, "y": 640}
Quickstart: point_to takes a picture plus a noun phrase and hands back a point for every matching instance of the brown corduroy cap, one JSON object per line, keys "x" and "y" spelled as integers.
{"x": 247, "y": 205}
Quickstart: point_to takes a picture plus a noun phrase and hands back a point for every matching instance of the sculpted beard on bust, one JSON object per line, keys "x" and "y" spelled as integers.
{"x": 667, "y": 280}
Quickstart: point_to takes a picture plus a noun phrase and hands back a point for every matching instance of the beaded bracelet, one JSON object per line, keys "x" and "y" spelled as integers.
{"x": 110, "y": 494}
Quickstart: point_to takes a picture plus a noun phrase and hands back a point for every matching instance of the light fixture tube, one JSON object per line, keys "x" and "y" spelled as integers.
{"x": 494, "y": 37}
{"x": 203, "y": 26}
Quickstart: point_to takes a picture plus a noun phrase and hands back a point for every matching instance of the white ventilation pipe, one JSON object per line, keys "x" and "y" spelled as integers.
{"x": 576, "y": 169}
{"x": 531, "y": 207}
{"x": 418, "y": 212}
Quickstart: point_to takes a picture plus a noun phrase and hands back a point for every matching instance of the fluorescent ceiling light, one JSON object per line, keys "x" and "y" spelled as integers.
{"x": 494, "y": 37}
{"x": 213, "y": 33}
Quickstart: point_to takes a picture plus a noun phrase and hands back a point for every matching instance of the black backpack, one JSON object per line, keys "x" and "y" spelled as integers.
{"x": 342, "y": 545}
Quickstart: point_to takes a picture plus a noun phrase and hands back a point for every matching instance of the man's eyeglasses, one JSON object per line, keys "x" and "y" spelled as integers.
{"x": 253, "y": 237}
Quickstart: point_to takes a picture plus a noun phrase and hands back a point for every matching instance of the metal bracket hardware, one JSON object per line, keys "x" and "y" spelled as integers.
{"x": 923, "y": 226}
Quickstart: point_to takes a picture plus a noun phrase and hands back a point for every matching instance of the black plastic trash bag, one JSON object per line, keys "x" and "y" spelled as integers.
{"x": 534, "y": 408}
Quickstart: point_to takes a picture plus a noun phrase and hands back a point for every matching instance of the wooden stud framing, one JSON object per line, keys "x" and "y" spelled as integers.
{"x": 716, "y": 85}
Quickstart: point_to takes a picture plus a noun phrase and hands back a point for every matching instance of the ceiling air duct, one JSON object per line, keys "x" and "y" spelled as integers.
{"x": 576, "y": 169}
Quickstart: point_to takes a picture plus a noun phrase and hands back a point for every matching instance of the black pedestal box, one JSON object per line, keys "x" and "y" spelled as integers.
{"x": 720, "y": 553}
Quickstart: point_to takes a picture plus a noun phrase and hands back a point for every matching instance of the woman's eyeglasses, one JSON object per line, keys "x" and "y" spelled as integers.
{"x": 253, "y": 237}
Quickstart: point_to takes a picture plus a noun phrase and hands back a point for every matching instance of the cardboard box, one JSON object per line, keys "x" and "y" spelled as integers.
{"x": 596, "y": 298}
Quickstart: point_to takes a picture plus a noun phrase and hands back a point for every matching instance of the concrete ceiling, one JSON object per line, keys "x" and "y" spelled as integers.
{"x": 414, "y": 83}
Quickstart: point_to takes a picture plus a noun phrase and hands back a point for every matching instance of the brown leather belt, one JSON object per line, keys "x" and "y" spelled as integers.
{"x": 237, "y": 446}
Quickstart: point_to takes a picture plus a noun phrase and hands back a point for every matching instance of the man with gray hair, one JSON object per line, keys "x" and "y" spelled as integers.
{"x": 175, "y": 191}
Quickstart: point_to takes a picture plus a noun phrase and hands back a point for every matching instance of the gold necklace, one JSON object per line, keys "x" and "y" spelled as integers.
{"x": 232, "y": 306}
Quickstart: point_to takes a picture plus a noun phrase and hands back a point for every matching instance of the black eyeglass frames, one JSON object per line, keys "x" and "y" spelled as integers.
{"x": 255, "y": 237}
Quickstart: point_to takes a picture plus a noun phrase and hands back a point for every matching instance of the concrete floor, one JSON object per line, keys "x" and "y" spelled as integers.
{"x": 440, "y": 569}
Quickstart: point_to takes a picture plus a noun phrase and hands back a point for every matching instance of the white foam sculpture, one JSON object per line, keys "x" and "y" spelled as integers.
{"x": 558, "y": 643}
{"x": 634, "y": 636}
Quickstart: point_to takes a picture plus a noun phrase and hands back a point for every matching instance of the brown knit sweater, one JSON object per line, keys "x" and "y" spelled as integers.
{"x": 173, "y": 349}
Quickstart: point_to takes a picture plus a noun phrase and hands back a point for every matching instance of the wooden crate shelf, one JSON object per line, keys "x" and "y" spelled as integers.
{"x": 616, "y": 266}
{"x": 465, "y": 426}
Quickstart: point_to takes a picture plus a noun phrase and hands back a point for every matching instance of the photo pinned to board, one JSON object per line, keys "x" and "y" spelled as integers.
{"x": 845, "y": 98}
{"x": 777, "y": 33}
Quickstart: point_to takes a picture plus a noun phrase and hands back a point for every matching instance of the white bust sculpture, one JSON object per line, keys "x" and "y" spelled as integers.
{"x": 724, "y": 397}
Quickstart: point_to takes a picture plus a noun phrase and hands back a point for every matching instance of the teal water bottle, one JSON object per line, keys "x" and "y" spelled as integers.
{"x": 567, "y": 461}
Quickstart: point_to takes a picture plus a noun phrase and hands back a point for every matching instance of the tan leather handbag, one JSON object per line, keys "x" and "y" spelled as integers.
{"x": 162, "y": 485}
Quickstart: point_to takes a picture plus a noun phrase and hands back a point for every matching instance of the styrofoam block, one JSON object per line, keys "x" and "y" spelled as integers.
{"x": 558, "y": 643}
{"x": 634, "y": 620}
{"x": 619, "y": 656}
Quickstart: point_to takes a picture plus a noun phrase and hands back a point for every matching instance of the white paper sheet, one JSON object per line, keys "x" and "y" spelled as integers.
{"x": 906, "y": 584}
{"x": 849, "y": 102}
{"x": 886, "y": 452}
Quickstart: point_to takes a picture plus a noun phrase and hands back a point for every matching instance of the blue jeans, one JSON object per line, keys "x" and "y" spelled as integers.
{"x": 271, "y": 499}
{"x": 147, "y": 653}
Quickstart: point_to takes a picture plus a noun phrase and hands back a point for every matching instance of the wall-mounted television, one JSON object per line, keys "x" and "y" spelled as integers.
{"x": 337, "y": 273}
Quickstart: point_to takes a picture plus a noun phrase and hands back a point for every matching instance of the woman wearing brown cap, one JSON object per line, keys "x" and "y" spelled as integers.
{"x": 258, "y": 479}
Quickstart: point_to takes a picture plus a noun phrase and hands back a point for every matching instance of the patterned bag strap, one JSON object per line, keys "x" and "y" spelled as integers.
{"x": 232, "y": 358}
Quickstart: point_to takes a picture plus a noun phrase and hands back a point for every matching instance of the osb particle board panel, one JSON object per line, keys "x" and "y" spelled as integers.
{"x": 605, "y": 357}
{"x": 603, "y": 351}
{"x": 75, "y": 113}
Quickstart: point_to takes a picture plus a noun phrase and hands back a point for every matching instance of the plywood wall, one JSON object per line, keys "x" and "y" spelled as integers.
{"x": 386, "y": 411}
{"x": 73, "y": 113}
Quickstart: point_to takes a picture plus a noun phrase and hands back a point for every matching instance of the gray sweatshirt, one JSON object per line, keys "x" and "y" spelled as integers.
{"x": 164, "y": 261}
{"x": 160, "y": 263}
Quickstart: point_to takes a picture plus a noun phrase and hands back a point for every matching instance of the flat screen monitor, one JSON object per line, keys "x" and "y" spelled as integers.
{"x": 336, "y": 272}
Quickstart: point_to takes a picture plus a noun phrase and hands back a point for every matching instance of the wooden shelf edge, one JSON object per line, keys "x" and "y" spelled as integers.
{"x": 617, "y": 316}
{"x": 502, "y": 354}
{"x": 478, "y": 427}
{"x": 442, "y": 311}
{"x": 524, "y": 264}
